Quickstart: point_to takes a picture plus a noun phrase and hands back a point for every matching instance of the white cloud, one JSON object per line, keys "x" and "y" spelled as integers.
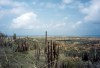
{"x": 77, "y": 24}
{"x": 29, "y": 21}
{"x": 5, "y": 2}
{"x": 61, "y": 5}
{"x": 15, "y": 8}
{"x": 12, "y": 3}
{"x": 67, "y": 1}
{"x": 51, "y": 5}
{"x": 56, "y": 25}
{"x": 60, "y": 25}
{"x": 25, "y": 21}
{"x": 18, "y": 10}
{"x": 92, "y": 11}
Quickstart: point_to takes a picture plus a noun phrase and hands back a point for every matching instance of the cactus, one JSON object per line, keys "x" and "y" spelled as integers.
{"x": 52, "y": 54}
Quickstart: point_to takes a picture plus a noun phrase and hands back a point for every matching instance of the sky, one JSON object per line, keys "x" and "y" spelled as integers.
{"x": 58, "y": 17}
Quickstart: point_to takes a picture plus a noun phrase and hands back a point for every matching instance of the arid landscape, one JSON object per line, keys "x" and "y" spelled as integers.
{"x": 49, "y": 52}
{"x": 49, "y": 33}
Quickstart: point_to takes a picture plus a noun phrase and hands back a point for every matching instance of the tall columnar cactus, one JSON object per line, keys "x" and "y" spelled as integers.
{"x": 14, "y": 36}
{"x": 52, "y": 53}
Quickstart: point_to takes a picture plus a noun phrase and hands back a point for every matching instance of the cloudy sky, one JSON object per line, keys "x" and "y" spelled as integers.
{"x": 58, "y": 17}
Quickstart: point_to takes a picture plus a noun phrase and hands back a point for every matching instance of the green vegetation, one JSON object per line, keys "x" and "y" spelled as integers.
{"x": 32, "y": 52}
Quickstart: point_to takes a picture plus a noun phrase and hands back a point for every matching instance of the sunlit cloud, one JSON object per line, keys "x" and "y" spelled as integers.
{"x": 26, "y": 20}
{"x": 92, "y": 11}
{"x": 66, "y": 16}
